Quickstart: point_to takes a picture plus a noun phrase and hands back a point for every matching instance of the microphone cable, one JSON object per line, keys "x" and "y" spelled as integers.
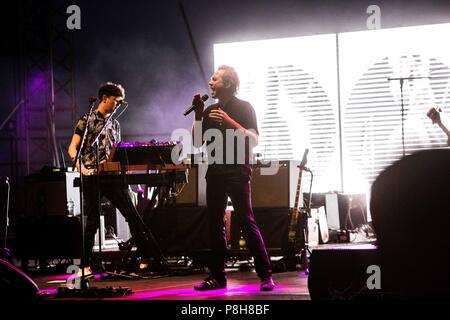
{"x": 124, "y": 108}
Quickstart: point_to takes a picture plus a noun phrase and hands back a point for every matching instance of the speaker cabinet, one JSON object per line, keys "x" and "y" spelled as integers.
{"x": 49, "y": 237}
{"x": 341, "y": 273}
{"x": 48, "y": 194}
{"x": 194, "y": 191}
{"x": 15, "y": 284}
{"x": 188, "y": 195}
{"x": 275, "y": 190}
{"x": 272, "y": 222}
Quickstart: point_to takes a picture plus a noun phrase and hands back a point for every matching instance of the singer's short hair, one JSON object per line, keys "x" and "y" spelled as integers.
{"x": 230, "y": 77}
{"x": 111, "y": 89}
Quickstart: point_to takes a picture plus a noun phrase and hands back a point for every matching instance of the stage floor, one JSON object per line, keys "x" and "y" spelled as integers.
{"x": 242, "y": 285}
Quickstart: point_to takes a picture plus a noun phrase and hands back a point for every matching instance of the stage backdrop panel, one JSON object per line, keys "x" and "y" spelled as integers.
{"x": 330, "y": 93}
{"x": 292, "y": 84}
{"x": 371, "y": 104}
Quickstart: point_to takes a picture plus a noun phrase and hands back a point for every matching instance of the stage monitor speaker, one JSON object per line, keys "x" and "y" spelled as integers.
{"x": 341, "y": 274}
{"x": 15, "y": 284}
{"x": 48, "y": 237}
{"x": 345, "y": 211}
{"x": 194, "y": 191}
{"x": 276, "y": 190}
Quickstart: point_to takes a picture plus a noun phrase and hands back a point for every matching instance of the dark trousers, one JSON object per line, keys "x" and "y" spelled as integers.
{"x": 121, "y": 199}
{"x": 238, "y": 188}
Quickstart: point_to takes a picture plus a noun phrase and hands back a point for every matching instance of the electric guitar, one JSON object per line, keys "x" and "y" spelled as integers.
{"x": 435, "y": 117}
{"x": 294, "y": 227}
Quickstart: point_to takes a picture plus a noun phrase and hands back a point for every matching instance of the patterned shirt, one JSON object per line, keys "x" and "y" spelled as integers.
{"x": 110, "y": 135}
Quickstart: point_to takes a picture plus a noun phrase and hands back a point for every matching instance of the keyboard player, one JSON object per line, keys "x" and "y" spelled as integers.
{"x": 110, "y": 96}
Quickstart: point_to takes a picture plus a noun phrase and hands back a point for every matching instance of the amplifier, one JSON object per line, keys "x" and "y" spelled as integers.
{"x": 346, "y": 211}
{"x": 276, "y": 190}
{"x": 52, "y": 194}
{"x": 194, "y": 191}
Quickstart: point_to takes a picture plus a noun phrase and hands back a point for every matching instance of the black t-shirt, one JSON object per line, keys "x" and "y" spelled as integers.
{"x": 237, "y": 163}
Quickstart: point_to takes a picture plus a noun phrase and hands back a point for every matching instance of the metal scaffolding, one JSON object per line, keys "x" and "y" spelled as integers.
{"x": 38, "y": 129}
{"x": 47, "y": 70}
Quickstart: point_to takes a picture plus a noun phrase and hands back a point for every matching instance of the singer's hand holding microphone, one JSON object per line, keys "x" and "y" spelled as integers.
{"x": 198, "y": 103}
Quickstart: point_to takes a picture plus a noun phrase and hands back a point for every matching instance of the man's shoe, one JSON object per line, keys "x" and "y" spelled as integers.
{"x": 87, "y": 272}
{"x": 211, "y": 283}
{"x": 267, "y": 284}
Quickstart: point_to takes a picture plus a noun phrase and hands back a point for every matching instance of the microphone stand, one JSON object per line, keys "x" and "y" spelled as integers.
{"x": 84, "y": 284}
{"x": 84, "y": 290}
{"x": 5, "y": 251}
{"x": 108, "y": 120}
{"x": 97, "y": 165}
{"x": 96, "y": 142}
{"x": 402, "y": 79}
{"x": 124, "y": 108}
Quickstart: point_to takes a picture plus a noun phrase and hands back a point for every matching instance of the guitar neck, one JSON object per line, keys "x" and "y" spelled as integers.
{"x": 293, "y": 232}
{"x": 297, "y": 192}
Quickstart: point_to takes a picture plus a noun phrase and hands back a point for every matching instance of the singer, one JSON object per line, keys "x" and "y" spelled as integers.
{"x": 230, "y": 179}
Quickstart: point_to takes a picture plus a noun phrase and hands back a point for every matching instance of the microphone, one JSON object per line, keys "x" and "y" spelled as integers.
{"x": 193, "y": 107}
{"x": 92, "y": 100}
{"x": 124, "y": 103}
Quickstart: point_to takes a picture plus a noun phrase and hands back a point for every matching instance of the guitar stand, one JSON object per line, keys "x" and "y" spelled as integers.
{"x": 305, "y": 251}
{"x": 299, "y": 252}
{"x": 305, "y": 215}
